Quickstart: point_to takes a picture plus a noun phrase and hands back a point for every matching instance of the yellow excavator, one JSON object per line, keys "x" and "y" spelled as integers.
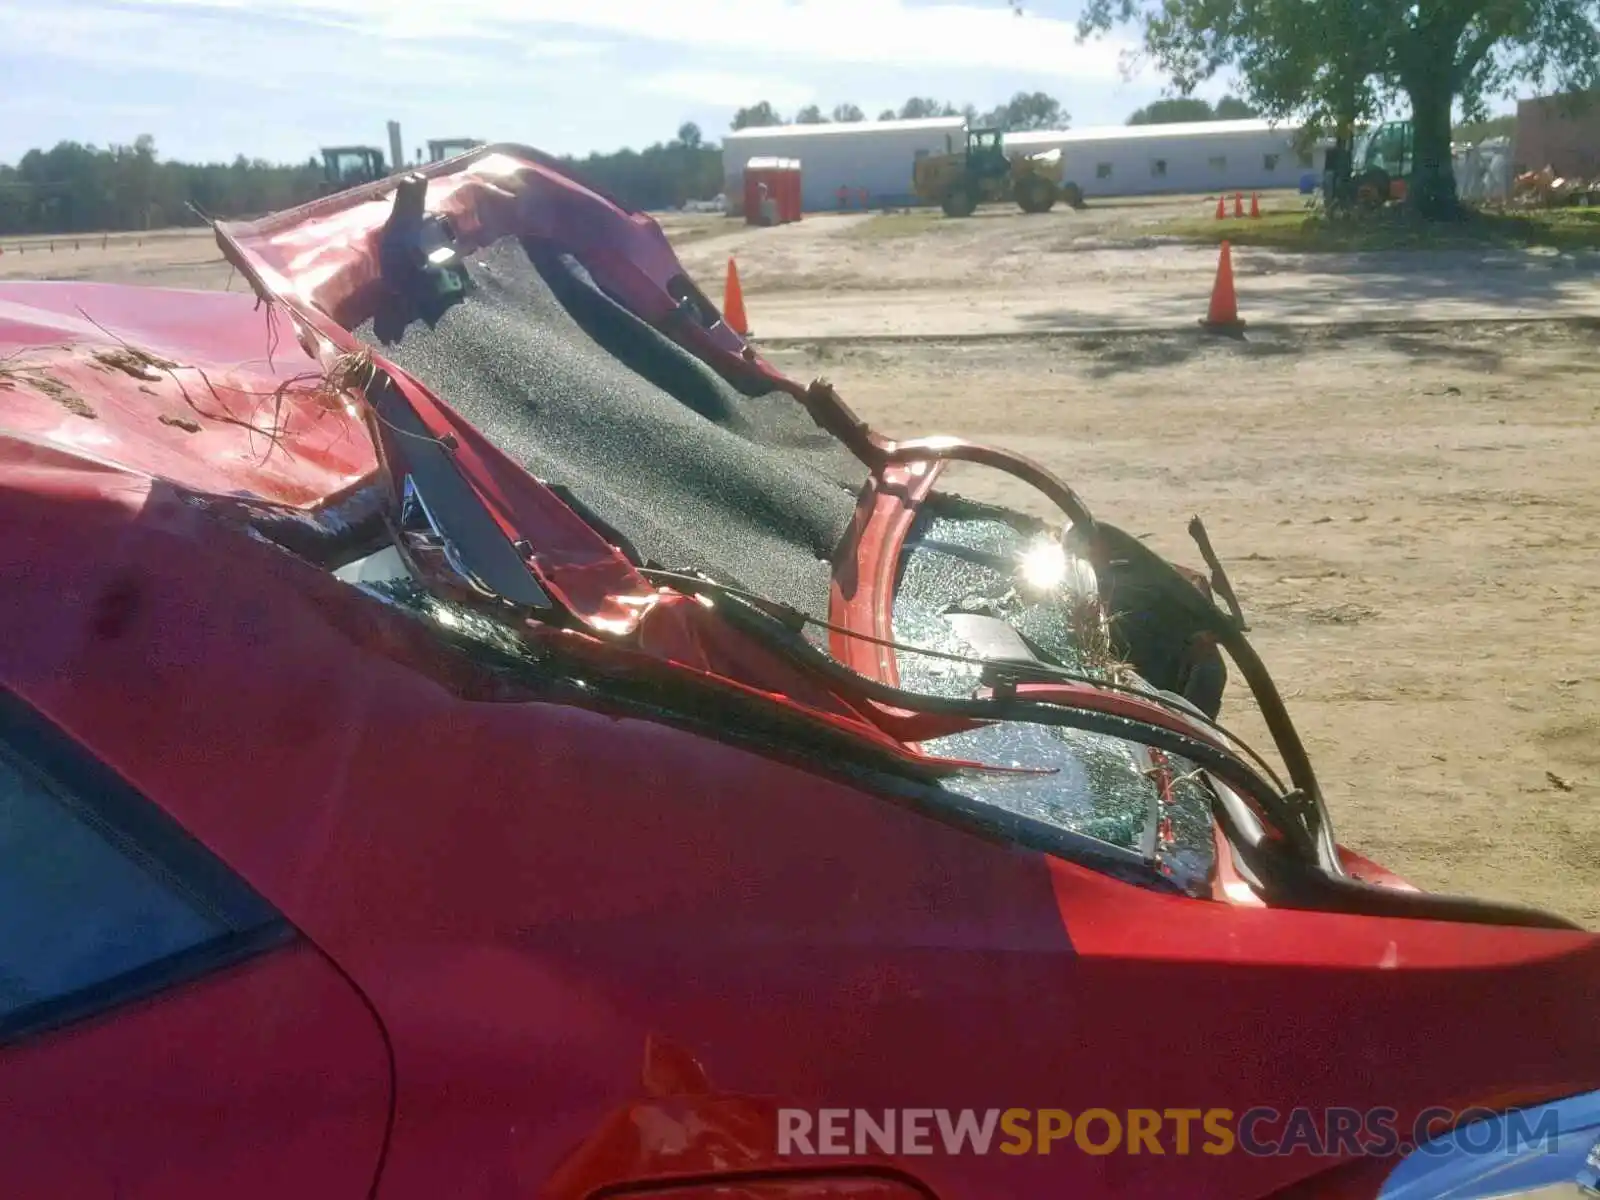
{"x": 982, "y": 173}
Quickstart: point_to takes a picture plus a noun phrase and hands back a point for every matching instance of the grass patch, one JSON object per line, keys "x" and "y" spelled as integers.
{"x": 897, "y": 225}
{"x": 1557, "y": 228}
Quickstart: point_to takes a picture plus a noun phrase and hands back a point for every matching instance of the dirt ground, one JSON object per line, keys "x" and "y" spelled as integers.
{"x": 918, "y": 275}
{"x": 1105, "y": 267}
{"x": 180, "y": 258}
{"x": 1409, "y": 510}
{"x": 1411, "y": 518}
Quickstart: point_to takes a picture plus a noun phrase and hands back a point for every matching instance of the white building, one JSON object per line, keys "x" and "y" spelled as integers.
{"x": 874, "y": 155}
{"x": 1199, "y": 156}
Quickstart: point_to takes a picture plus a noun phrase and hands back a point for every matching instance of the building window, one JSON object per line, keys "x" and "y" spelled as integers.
{"x": 1305, "y": 160}
{"x": 1158, "y": 168}
{"x": 1218, "y": 162}
{"x": 1102, "y": 171}
{"x": 1269, "y": 162}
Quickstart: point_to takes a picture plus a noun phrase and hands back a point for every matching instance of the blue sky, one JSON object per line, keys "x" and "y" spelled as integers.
{"x": 213, "y": 78}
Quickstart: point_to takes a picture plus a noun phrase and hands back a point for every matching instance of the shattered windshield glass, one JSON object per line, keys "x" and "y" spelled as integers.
{"x": 746, "y": 490}
{"x": 1151, "y": 804}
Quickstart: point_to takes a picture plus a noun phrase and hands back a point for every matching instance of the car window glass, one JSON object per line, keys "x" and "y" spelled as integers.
{"x": 76, "y": 908}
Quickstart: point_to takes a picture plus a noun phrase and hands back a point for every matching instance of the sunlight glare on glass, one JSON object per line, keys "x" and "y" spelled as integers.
{"x": 1044, "y": 565}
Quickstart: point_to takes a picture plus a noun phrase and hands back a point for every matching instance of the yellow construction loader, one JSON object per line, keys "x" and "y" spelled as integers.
{"x": 982, "y": 173}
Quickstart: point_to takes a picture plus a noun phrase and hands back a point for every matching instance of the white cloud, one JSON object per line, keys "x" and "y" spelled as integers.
{"x": 313, "y": 50}
{"x": 26, "y": 104}
{"x": 724, "y": 89}
{"x": 566, "y": 76}
{"x": 984, "y": 34}
{"x": 888, "y": 33}
{"x": 563, "y": 48}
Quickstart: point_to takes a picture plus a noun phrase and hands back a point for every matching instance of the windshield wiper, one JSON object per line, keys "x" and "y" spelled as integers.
{"x": 780, "y": 626}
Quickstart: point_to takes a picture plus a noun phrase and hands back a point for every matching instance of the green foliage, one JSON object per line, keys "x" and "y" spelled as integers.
{"x": 660, "y": 176}
{"x": 1562, "y": 229}
{"x": 74, "y": 188}
{"x": 1312, "y": 60}
{"x": 1183, "y": 109}
{"x": 1028, "y": 110}
{"x": 1335, "y": 63}
{"x": 1176, "y": 111}
{"x": 758, "y": 114}
{"x": 1025, "y": 110}
{"x": 925, "y": 106}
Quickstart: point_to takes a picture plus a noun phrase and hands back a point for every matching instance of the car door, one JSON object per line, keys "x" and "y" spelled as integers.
{"x": 163, "y": 1032}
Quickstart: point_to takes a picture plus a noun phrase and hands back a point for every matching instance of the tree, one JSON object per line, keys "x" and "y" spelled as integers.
{"x": 1181, "y": 109}
{"x": 759, "y": 114}
{"x": 73, "y": 188}
{"x": 848, "y": 112}
{"x": 810, "y": 115}
{"x": 1177, "y": 111}
{"x": 1028, "y": 110}
{"x": 137, "y": 165}
{"x": 1311, "y": 59}
{"x": 1473, "y": 49}
{"x": 1335, "y": 62}
{"x": 925, "y": 106}
{"x": 657, "y": 176}
{"x": 887, "y": 114}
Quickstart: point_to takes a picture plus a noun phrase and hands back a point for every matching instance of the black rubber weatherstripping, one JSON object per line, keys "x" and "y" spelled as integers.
{"x": 694, "y": 474}
{"x": 1288, "y": 881}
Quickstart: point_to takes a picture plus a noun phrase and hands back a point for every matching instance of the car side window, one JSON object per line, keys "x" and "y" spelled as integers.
{"x": 103, "y": 899}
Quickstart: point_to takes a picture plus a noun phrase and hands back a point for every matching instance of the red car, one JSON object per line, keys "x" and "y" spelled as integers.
{"x": 472, "y": 729}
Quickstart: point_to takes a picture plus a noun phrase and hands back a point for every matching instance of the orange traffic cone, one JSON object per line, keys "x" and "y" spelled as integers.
{"x": 1238, "y": 204}
{"x": 1222, "y": 208}
{"x": 1223, "y": 315}
{"x": 733, "y": 303}
{"x": 1255, "y": 204}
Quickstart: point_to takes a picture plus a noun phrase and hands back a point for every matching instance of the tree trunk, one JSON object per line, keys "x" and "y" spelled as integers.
{"x": 1432, "y": 192}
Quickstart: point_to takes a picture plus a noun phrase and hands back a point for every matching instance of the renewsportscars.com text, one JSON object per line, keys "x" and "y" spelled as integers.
{"x": 1331, "y": 1132}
